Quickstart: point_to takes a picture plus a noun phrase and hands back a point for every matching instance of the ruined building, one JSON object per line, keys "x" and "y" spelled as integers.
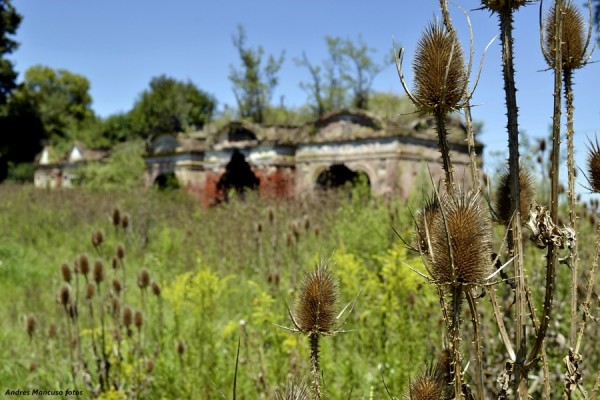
{"x": 285, "y": 161}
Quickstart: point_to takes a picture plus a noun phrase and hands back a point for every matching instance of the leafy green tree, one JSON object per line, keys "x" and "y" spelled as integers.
{"x": 345, "y": 79}
{"x": 171, "y": 106}
{"x": 9, "y": 22}
{"x": 253, "y": 83}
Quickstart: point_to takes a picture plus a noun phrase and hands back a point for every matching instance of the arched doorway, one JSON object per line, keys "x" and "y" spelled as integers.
{"x": 238, "y": 176}
{"x": 167, "y": 180}
{"x": 338, "y": 176}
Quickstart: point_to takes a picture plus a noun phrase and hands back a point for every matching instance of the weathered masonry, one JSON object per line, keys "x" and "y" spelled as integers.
{"x": 285, "y": 161}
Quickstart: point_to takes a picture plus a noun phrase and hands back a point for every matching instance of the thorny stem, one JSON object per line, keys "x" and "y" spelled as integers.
{"x": 440, "y": 120}
{"x": 596, "y": 389}
{"x": 568, "y": 78}
{"x": 315, "y": 369}
{"x": 515, "y": 238}
{"x": 477, "y": 343}
{"x": 456, "y": 293}
{"x": 552, "y": 255}
{"x": 500, "y": 323}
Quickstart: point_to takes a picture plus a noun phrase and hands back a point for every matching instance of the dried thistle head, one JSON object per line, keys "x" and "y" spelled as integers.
{"x": 138, "y": 319}
{"x": 64, "y": 295}
{"x": 501, "y": 6}
{"x": 66, "y": 272}
{"x": 156, "y": 289}
{"x": 593, "y": 161}
{"x": 127, "y": 316}
{"x": 115, "y": 262}
{"x": 181, "y": 347}
{"x": 503, "y": 198}
{"x": 470, "y": 236}
{"x": 574, "y": 37}
{"x": 30, "y": 325}
{"x": 116, "y": 217}
{"x": 143, "y": 279}
{"x": 98, "y": 272}
{"x": 84, "y": 265}
{"x": 293, "y": 391}
{"x": 97, "y": 238}
{"x": 116, "y": 306}
{"x": 439, "y": 70}
{"x": 120, "y": 251}
{"x": 116, "y": 286}
{"x": 89, "y": 291}
{"x": 317, "y": 305}
{"x": 424, "y": 220}
{"x": 428, "y": 385}
{"x": 125, "y": 221}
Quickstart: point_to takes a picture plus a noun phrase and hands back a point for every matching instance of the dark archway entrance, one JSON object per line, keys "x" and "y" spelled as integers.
{"x": 166, "y": 181}
{"x": 338, "y": 175}
{"x": 238, "y": 176}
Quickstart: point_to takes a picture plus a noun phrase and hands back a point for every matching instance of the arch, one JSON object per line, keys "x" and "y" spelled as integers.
{"x": 166, "y": 180}
{"x": 339, "y": 175}
{"x": 238, "y": 176}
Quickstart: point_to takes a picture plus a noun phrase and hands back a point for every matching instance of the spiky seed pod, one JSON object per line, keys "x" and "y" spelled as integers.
{"x": 116, "y": 217}
{"x": 84, "y": 265}
{"x": 542, "y": 145}
{"x": 30, "y": 325}
{"x": 503, "y": 199}
{"x": 181, "y": 347}
{"x": 64, "y": 295}
{"x": 428, "y": 385}
{"x": 120, "y": 251}
{"x": 500, "y": 6}
{"x": 138, "y": 319}
{"x": 425, "y": 219}
{"x": 66, "y": 272}
{"x": 156, "y": 289}
{"x": 293, "y": 391}
{"x": 593, "y": 161}
{"x": 98, "y": 272}
{"x": 143, "y": 279}
{"x": 317, "y": 304}
{"x": 97, "y": 238}
{"x": 127, "y": 316}
{"x": 116, "y": 306}
{"x": 470, "y": 237}
{"x": 444, "y": 364}
{"x": 439, "y": 70}
{"x": 52, "y": 331}
{"x": 115, "y": 262}
{"x": 73, "y": 313}
{"x": 116, "y": 286}
{"x": 125, "y": 221}
{"x": 574, "y": 37}
{"x": 259, "y": 228}
{"x": 89, "y": 291}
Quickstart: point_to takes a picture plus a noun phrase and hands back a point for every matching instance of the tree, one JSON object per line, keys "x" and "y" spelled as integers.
{"x": 171, "y": 106}
{"x": 9, "y": 22}
{"x": 345, "y": 79}
{"x": 253, "y": 84}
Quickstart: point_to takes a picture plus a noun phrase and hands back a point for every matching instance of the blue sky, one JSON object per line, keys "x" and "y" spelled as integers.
{"x": 120, "y": 45}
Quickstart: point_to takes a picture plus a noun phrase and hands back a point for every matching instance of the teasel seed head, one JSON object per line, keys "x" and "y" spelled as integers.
{"x": 52, "y": 331}
{"x": 470, "y": 233}
{"x": 84, "y": 265}
{"x": 156, "y": 289}
{"x": 116, "y": 217}
{"x": 97, "y": 238}
{"x": 293, "y": 391}
{"x": 64, "y": 295}
{"x": 127, "y": 316}
{"x": 439, "y": 71}
{"x": 120, "y": 251}
{"x": 593, "y": 161}
{"x": 98, "y": 272}
{"x": 143, "y": 279}
{"x": 30, "y": 325}
{"x": 428, "y": 385}
{"x": 317, "y": 304}
{"x": 181, "y": 347}
{"x": 116, "y": 286}
{"x": 138, "y": 319}
{"x": 501, "y": 6}
{"x": 125, "y": 221}
{"x": 574, "y": 37}
{"x": 425, "y": 218}
{"x": 66, "y": 272}
{"x": 115, "y": 262}
{"x": 116, "y": 307}
{"x": 503, "y": 198}
{"x": 259, "y": 228}
{"x": 89, "y": 291}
